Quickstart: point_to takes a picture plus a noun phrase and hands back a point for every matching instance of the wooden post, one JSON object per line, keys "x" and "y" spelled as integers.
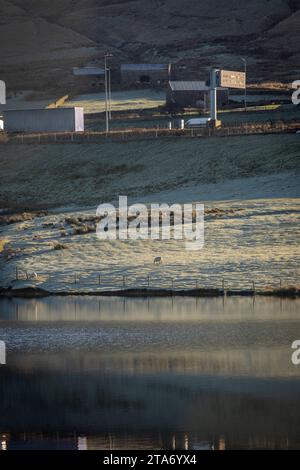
{"x": 280, "y": 283}
{"x": 197, "y": 284}
{"x": 99, "y": 279}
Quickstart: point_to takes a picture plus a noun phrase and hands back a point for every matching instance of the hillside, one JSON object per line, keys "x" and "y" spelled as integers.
{"x": 43, "y": 176}
{"x": 40, "y": 41}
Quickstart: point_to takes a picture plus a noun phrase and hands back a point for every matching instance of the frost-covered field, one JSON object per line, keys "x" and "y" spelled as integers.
{"x": 245, "y": 241}
{"x": 250, "y": 187}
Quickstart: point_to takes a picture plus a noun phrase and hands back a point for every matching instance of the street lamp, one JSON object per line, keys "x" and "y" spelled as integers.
{"x": 245, "y": 70}
{"x": 106, "y": 89}
{"x": 109, "y": 93}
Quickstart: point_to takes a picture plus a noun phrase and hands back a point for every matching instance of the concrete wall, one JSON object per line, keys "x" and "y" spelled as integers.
{"x": 44, "y": 120}
{"x": 144, "y": 76}
{"x": 194, "y": 99}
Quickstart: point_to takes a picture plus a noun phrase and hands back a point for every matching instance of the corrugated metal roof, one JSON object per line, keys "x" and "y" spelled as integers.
{"x": 87, "y": 71}
{"x": 188, "y": 85}
{"x": 142, "y": 67}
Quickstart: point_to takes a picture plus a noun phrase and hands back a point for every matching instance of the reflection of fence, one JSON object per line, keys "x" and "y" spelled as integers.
{"x": 234, "y": 129}
{"x": 92, "y": 281}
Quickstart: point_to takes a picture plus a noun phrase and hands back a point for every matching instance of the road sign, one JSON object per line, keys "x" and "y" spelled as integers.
{"x": 231, "y": 79}
{"x": 2, "y": 92}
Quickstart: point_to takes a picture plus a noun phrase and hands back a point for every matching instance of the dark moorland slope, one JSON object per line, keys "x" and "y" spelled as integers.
{"x": 40, "y": 40}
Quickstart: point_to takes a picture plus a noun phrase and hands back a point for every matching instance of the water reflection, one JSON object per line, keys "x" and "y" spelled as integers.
{"x": 58, "y": 441}
{"x": 154, "y": 373}
{"x": 73, "y": 308}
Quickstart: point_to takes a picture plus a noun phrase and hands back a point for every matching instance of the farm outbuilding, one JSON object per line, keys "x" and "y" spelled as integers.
{"x": 44, "y": 120}
{"x": 193, "y": 94}
{"x": 89, "y": 78}
{"x": 145, "y": 73}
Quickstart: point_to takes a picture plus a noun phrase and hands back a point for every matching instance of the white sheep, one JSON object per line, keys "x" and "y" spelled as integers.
{"x": 158, "y": 260}
{"x": 32, "y": 275}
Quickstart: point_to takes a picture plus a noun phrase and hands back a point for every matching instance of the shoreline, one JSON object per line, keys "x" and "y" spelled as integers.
{"x": 35, "y": 292}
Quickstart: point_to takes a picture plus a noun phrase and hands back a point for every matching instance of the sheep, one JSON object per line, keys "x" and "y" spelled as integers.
{"x": 158, "y": 260}
{"x": 31, "y": 275}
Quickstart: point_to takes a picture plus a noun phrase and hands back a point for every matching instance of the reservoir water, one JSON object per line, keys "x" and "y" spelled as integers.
{"x": 169, "y": 373}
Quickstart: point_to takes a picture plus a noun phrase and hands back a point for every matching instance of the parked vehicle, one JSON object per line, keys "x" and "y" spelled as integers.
{"x": 198, "y": 122}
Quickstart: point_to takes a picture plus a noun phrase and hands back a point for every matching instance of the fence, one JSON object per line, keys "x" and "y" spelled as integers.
{"x": 235, "y": 129}
{"x": 97, "y": 282}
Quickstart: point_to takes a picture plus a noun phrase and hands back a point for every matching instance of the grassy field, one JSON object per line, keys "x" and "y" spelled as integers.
{"x": 41, "y": 176}
{"x": 121, "y": 100}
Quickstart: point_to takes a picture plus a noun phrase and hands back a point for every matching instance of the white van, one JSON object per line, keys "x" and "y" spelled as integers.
{"x": 198, "y": 122}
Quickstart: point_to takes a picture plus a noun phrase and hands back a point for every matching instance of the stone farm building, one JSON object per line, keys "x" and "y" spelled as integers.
{"x": 88, "y": 78}
{"x": 193, "y": 94}
{"x": 145, "y": 73}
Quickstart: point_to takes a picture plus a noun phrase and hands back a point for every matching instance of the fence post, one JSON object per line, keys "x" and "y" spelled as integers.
{"x": 99, "y": 279}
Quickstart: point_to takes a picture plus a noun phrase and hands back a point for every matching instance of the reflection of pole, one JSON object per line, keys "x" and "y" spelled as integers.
{"x": 245, "y": 70}
{"x": 213, "y": 95}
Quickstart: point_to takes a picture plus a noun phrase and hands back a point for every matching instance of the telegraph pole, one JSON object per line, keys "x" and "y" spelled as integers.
{"x": 245, "y": 70}
{"x": 107, "y": 90}
{"x": 213, "y": 96}
{"x": 109, "y": 93}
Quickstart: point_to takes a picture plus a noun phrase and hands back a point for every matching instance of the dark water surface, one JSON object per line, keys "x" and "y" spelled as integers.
{"x": 181, "y": 373}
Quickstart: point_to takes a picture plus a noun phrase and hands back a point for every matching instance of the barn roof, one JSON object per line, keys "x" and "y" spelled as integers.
{"x": 188, "y": 85}
{"x": 142, "y": 67}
